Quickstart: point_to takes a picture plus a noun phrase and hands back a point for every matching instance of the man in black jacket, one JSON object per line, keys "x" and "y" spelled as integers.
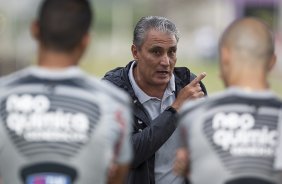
{"x": 158, "y": 90}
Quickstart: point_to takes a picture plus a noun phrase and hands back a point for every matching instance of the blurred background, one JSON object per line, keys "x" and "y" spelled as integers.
{"x": 200, "y": 23}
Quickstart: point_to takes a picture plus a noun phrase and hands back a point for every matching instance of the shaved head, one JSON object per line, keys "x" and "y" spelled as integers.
{"x": 246, "y": 53}
{"x": 250, "y": 38}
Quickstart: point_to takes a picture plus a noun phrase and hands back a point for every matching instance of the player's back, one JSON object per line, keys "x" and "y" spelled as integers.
{"x": 60, "y": 127}
{"x": 232, "y": 137}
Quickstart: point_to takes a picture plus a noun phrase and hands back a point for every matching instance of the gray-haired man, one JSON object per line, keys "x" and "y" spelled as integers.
{"x": 158, "y": 90}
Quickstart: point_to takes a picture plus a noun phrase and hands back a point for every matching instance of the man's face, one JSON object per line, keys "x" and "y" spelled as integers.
{"x": 155, "y": 59}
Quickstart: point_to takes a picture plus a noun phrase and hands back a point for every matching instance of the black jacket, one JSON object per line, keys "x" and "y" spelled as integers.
{"x": 148, "y": 136}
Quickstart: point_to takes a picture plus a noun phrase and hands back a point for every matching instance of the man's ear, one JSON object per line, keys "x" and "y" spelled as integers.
{"x": 272, "y": 62}
{"x": 224, "y": 56}
{"x": 86, "y": 40}
{"x": 134, "y": 51}
{"x": 34, "y": 29}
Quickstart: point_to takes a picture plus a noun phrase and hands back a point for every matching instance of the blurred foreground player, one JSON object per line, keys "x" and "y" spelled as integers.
{"x": 57, "y": 124}
{"x": 232, "y": 136}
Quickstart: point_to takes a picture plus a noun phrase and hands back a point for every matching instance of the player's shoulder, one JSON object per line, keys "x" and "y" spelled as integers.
{"x": 12, "y": 77}
{"x": 108, "y": 89}
{"x": 191, "y": 105}
{"x": 200, "y": 104}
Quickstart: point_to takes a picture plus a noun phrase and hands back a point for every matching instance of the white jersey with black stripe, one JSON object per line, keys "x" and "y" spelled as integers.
{"x": 61, "y": 127}
{"x": 232, "y": 137}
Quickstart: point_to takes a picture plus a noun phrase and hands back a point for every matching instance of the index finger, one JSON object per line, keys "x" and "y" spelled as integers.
{"x": 199, "y": 78}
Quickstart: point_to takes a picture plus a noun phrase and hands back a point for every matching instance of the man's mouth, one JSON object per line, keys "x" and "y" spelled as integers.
{"x": 163, "y": 72}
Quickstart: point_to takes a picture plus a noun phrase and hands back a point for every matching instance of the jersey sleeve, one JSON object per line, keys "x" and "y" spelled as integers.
{"x": 185, "y": 121}
{"x": 2, "y": 139}
{"x": 188, "y": 115}
{"x": 278, "y": 156}
{"x": 124, "y": 147}
{"x": 183, "y": 131}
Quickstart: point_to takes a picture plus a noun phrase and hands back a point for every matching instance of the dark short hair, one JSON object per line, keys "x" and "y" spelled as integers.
{"x": 63, "y": 23}
{"x": 156, "y": 23}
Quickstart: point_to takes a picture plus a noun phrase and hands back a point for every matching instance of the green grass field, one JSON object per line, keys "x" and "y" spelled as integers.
{"x": 212, "y": 81}
{"x": 214, "y": 84}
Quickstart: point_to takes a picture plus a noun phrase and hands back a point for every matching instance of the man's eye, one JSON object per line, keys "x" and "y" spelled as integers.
{"x": 172, "y": 53}
{"x": 156, "y": 52}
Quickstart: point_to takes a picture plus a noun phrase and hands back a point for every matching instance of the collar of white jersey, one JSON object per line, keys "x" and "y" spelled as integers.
{"x": 60, "y": 73}
{"x": 250, "y": 92}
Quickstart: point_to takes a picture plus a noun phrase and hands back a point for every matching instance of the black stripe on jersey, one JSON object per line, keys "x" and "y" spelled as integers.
{"x": 248, "y": 181}
{"x": 236, "y": 99}
{"x": 48, "y": 167}
{"x": 74, "y": 82}
{"x": 241, "y": 166}
{"x": 30, "y": 149}
{"x": 270, "y": 119}
{"x": 43, "y": 151}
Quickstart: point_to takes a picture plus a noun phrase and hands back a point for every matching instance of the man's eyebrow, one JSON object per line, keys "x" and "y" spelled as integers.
{"x": 156, "y": 47}
{"x": 173, "y": 48}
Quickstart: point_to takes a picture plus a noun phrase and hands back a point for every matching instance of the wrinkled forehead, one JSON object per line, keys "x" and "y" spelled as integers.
{"x": 158, "y": 31}
{"x": 159, "y": 38}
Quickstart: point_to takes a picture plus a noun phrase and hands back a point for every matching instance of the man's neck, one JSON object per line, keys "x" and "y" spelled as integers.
{"x": 251, "y": 83}
{"x": 154, "y": 91}
{"x": 56, "y": 60}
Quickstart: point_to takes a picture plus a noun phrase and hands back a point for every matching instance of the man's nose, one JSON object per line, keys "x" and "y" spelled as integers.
{"x": 165, "y": 60}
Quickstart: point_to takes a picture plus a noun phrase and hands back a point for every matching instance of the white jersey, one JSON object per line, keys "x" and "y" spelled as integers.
{"x": 232, "y": 137}
{"x": 61, "y": 127}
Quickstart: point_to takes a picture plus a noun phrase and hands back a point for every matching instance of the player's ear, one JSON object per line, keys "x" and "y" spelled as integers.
{"x": 224, "y": 56}
{"x": 271, "y": 62}
{"x": 134, "y": 51}
{"x": 34, "y": 28}
{"x": 86, "y": 40}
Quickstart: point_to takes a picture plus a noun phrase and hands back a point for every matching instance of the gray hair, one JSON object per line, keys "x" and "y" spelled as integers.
{"x": 153, "y": 22}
